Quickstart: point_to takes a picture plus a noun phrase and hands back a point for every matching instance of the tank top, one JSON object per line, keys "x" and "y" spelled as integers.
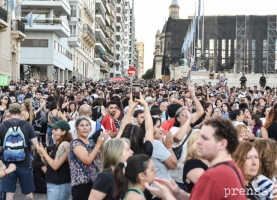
{"x": 61, "y": 175}
{"x": 134, "y": 190}
{"x": 53, "y": 118}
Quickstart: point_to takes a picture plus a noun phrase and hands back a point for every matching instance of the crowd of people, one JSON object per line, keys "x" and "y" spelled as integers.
{"x": 171, "y": 140}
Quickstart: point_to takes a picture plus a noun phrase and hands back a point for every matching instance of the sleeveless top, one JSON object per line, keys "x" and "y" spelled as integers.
{"x": 53, "y": 118}
{"x": 134, "y": 190}
{"x": 61, "y": 175}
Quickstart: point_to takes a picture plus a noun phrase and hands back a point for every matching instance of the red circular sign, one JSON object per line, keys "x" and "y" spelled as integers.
{"x": 131, "y": 71}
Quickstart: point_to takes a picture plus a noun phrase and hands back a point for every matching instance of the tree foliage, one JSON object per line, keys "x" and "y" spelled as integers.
{"x": 148, "y": 74}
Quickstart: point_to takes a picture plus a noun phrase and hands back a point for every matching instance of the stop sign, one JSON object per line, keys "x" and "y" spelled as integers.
{"x": 132, "y": 71}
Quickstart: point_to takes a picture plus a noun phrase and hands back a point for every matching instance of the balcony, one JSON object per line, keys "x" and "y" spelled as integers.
{"x": 55, "y": 25}
{"x": 99, "y": 29}
{"x": 105, "y": 68}
{"x": 101, "y": 44}
{"x": 88, "y": 11}
{"x": 60, "y": 7}
{"x": 74, "y": 40}
{"x": 111, "y": 28}
{"x": 18, "y": 30}
{"x": 112, "y": 4}
{"x": 3, "y": 19}
{"x": 88, "y": 35}
{"x": 117, "y": 62}
{"x": 118, "y": 44}
{"x": 99, "y": 59}
{"x": 118, "y": 35}
{"x": 118, "y": 25}
{"x": 102, "y": 4}
{"x": 100, "y": 17}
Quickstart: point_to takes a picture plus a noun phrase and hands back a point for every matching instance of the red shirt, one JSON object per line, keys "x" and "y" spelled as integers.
{"x": 109, "y": 123}
{"x": 167, "y": 125}
{"x": 219, "y": 183}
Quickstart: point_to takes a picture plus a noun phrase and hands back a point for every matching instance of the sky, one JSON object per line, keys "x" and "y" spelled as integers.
{"x": 152, "y": 14}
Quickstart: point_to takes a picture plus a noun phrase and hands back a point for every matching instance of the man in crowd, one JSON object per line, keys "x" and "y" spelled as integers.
{"x": 243, "y": 81}
{"x": 262, "y": 80}
{"x": 108, "y": 121}
{"x": 23, "y": 167}
{"x": 216, "y": 142}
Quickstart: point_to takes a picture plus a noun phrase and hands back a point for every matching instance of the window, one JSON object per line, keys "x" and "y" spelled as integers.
{"x": 34, "y": 43}
{"x": 73, "y": 11}
{"x": 62, "y": 50}
{"x": 73, "y": 31}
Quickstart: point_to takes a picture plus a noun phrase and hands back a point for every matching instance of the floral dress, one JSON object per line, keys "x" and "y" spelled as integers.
{"x": 81, "y": 173}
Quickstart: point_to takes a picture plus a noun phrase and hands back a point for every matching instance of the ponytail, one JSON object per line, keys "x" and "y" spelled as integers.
{"x": 121, "y": 182}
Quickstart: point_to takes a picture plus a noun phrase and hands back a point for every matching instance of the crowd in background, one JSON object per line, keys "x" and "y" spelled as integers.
{"x": 172, "y": 140}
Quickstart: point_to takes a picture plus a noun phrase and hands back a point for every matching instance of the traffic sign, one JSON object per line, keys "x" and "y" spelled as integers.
{"x": 131, "y": 71}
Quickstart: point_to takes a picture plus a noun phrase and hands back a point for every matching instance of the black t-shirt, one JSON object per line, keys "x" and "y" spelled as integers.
{"x": 39, "y": 178}
{"x": 272, "y": 131}
{"x": 188, "y": 166}
{"x": 125, "y": 102}
{"x": 105, "y": 183}
{"x": 28, "y": 132}
{"x": 61, "y": 175}
{"x": 95, "y": 114}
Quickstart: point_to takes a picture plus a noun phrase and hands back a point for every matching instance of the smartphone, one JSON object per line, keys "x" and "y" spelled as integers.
{"x": 136, "y": 91}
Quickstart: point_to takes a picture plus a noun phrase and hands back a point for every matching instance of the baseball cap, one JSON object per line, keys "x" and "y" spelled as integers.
{"x": 62, "y": 125}
{"x": 211, "y": 95}
{"x": 15, "y": 107}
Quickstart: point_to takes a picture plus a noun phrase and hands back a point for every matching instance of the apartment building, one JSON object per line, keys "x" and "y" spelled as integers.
{"x": 46, "y": 51}
{"x": 76, "y": 39}
{"x": 140, "y": 54}
{"x": 12, "y": 33}
{"x": 122, "y": 38}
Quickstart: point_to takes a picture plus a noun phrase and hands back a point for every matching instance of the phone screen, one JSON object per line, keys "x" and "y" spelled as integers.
{"x": 136, "y": 91}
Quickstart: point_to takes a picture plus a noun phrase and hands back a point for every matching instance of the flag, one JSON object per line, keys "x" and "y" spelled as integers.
{"x": 29, "y": 18}
{"x": 199, "y": 8}
{"x": 11, "y": 5}
{"x": 17, "y": 10}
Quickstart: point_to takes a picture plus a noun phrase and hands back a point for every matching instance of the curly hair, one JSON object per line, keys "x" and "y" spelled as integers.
{"x": 272, "y": 117}
{"x": 266, "y": 149}
{"x": 224, "y": 129}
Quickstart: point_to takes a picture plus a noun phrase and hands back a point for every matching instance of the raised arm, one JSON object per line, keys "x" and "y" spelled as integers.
{"x": 127, "y": 117}
{"x": 149, "y": 135}
{"x": 199, "y": 108}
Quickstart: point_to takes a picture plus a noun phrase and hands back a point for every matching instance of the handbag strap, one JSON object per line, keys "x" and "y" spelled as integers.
{"x": 234, "y": 168}
{"x": 184, "y": 141}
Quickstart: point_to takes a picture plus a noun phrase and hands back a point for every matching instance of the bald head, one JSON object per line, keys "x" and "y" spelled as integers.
{"x": 85, "y": 110}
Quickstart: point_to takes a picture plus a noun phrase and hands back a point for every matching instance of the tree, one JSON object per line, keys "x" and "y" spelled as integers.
{"x": 148, "y": 74}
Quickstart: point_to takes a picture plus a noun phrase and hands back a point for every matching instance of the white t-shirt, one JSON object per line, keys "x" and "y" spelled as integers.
{"x": 177, "y": 174}
{"x": 74, "y": 132}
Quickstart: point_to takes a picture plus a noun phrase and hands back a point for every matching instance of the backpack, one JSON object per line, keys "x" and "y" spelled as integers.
{"x": 14, "y": 143}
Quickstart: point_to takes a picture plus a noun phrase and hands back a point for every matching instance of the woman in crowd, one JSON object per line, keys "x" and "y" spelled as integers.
{"x": 233, "y": 106}
{"x": 246, "y": 156}
{"x": 265, "y": 112}
{"x": 4, "y": 105}
{"x": 83, "y": 159}
{"x": 138, "y": 170}
{"x": 242, "y": 132}
{"x": 180, "y": 131}
{"x": 226, "y": 109}
{"x": 246, "y": 115}
{"x": 217, "y": 111}
{"x": 71, "y": 113}
{"x": 114, "y": 151}
{"x": 236, "y": 116}
{"x": 163, "y": 155}
{"x": 58, "y": 173}
{"x": 54, "y": 115}
{"x": 271, "y": 123}
{"x": 194, "y": 166}
{"x": 140, "y": 142}
{"x": 27, "y": 111}
{"x": 218, "y": 102}
{"x": 98, "y": 110}
{"x": 267, "y": 155}
{"x": 258, "y": 129}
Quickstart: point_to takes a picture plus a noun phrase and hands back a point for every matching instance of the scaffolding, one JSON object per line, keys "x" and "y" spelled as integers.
{"x": 240, "y": 44}
{"x": 271, "y": 45}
